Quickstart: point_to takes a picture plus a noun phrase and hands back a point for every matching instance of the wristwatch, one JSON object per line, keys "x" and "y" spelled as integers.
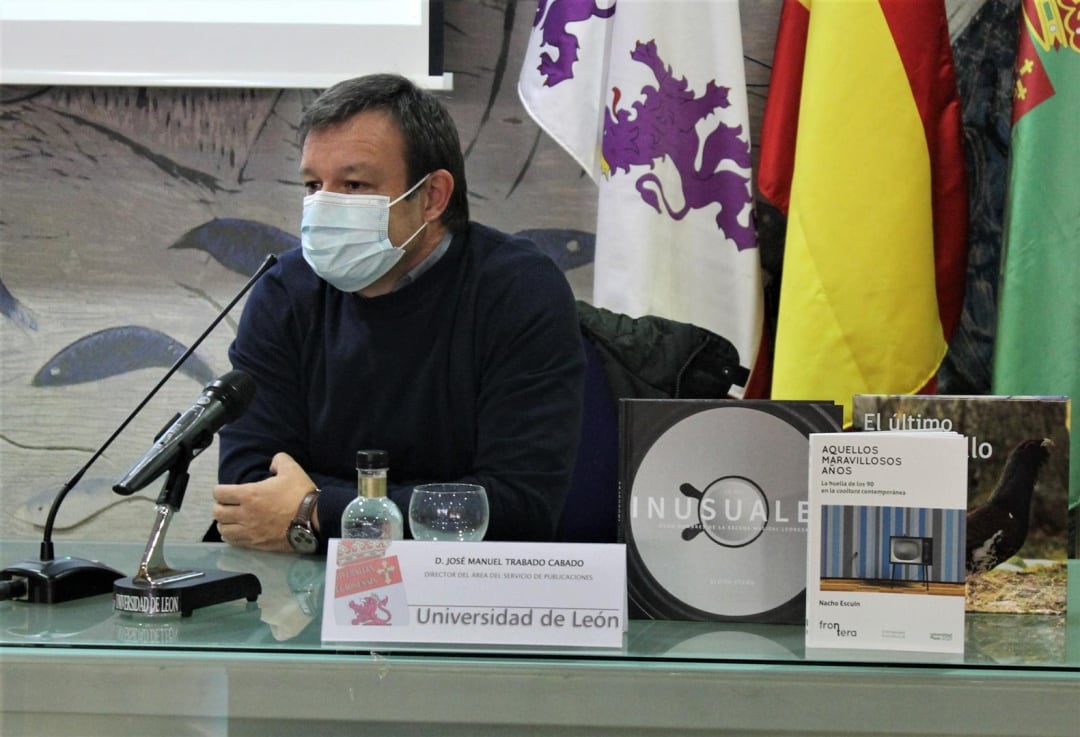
{"x": 301, "y": 534}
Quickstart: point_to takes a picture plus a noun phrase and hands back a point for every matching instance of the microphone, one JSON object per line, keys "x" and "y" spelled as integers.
{"x": 222, "y": 401}
{"x": 50, "y": 580}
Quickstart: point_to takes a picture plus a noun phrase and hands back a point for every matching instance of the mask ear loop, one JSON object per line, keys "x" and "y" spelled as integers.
{"x": 411, "y": 237}
{"x": 399, "y": 199}
{"x": 410, "y": 190}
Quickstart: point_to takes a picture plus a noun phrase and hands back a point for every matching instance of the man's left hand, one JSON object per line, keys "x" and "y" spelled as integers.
{"x": 256, "y": 515}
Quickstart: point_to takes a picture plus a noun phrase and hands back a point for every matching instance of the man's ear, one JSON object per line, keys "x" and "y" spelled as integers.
{"x": 438, "y": 187}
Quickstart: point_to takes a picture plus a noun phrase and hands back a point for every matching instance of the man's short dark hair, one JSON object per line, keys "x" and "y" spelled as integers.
{"x": 431, "y": 138}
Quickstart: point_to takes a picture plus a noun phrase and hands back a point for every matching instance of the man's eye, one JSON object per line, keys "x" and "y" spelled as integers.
{"x": 312, "y": 187}
{"x": 354, "y": 187}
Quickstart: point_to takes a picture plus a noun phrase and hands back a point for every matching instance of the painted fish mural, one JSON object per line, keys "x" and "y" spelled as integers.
{"x": 118, "y": 350}
{"x": 15, "y": 310}
{"x": 88, "y": 498}
{"x": 237, "y": 244}
{"x": 568, "y": 248}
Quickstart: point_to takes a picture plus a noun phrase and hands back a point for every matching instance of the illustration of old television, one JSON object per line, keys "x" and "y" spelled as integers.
{"x": 910, "y": 550}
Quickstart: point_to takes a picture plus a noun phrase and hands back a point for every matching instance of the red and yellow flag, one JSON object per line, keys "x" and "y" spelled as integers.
{"x": 861, "y": 147}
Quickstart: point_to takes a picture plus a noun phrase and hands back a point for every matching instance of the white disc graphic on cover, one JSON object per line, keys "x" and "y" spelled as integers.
{"x": 717, "y": 511}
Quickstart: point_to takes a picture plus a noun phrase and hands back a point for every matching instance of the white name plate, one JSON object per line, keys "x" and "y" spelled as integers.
{"x": 491, "y": 593}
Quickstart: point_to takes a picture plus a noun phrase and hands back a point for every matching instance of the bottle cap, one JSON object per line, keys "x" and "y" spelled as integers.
{"x": 369, "y": 459}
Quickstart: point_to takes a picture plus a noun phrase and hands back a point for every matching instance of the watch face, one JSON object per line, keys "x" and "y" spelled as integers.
{"x": 302, "y": 539}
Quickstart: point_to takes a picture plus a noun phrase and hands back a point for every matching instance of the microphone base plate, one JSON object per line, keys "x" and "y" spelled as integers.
{"x": 183, "y": 596}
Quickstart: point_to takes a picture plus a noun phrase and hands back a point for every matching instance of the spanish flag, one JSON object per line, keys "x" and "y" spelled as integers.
{"x": 861, "y": 148}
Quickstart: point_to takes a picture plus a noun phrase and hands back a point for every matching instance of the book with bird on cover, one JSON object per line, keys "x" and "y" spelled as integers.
{"x": 885, "y": 541}
{"x": 1018, "y": 490}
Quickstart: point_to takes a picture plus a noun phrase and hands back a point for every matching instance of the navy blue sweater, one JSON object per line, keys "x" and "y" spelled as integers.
{"x": 472, "y": 373}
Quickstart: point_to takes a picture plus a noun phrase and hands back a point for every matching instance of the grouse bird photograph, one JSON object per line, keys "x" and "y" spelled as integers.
{"x": 997, "y": 529}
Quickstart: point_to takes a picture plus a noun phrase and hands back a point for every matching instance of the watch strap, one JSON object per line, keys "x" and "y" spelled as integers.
{"x": 301, "y": 533}
{"x": 306, "y": 508}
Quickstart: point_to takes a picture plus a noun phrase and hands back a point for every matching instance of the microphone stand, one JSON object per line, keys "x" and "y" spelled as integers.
{"x": 51, "y": 580}
{"x": 158, "y": 588}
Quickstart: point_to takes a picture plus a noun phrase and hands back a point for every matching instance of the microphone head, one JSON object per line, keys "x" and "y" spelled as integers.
{"x": 235, "y": 390}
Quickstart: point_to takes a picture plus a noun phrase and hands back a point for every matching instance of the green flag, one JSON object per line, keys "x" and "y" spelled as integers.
{"x": 1037, "y": 348}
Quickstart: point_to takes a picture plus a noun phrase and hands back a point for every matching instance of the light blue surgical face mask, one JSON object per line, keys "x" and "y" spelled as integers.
{"x": 345, "y": 237}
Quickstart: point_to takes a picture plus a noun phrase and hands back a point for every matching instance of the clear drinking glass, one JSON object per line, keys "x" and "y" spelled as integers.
{"x": 448, "y": 512}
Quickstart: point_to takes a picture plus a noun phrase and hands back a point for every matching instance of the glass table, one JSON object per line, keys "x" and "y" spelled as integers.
{"x": 260, "y": 668}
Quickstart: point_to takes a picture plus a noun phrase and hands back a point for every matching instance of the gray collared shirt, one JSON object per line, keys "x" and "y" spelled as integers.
{"x": 427, "y": 263}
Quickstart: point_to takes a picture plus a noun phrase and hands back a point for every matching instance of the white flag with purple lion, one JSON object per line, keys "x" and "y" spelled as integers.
{"x": 650, "y": 98}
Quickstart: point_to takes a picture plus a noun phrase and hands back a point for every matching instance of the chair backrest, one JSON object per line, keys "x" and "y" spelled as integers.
{"x": 647, "y": 357}
{"x": 590, "y": 513}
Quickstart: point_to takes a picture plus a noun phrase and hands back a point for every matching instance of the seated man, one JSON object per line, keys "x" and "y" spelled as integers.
{"x": 398, "y": 325}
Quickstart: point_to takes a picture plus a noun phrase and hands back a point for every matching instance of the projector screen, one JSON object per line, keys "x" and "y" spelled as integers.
{"x": 219, "y": 43}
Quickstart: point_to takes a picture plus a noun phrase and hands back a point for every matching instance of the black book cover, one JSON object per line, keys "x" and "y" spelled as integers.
{"x": 713, "y": 506}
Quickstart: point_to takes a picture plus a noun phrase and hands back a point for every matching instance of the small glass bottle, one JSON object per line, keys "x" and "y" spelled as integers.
{"x": 372, "y": 515}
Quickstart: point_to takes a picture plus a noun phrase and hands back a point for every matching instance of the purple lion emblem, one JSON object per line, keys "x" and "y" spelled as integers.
{"x": 555, "y": 34}
{"x": 662, "y": 126}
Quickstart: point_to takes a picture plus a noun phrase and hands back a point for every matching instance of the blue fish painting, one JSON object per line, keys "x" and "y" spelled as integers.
{"x": 116, "y": 351}
{"x": 569, "y": 249}
{"x": 89, "y": 497}
{"x": 14, "y": 310}
{"x": 238, "y": 245}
